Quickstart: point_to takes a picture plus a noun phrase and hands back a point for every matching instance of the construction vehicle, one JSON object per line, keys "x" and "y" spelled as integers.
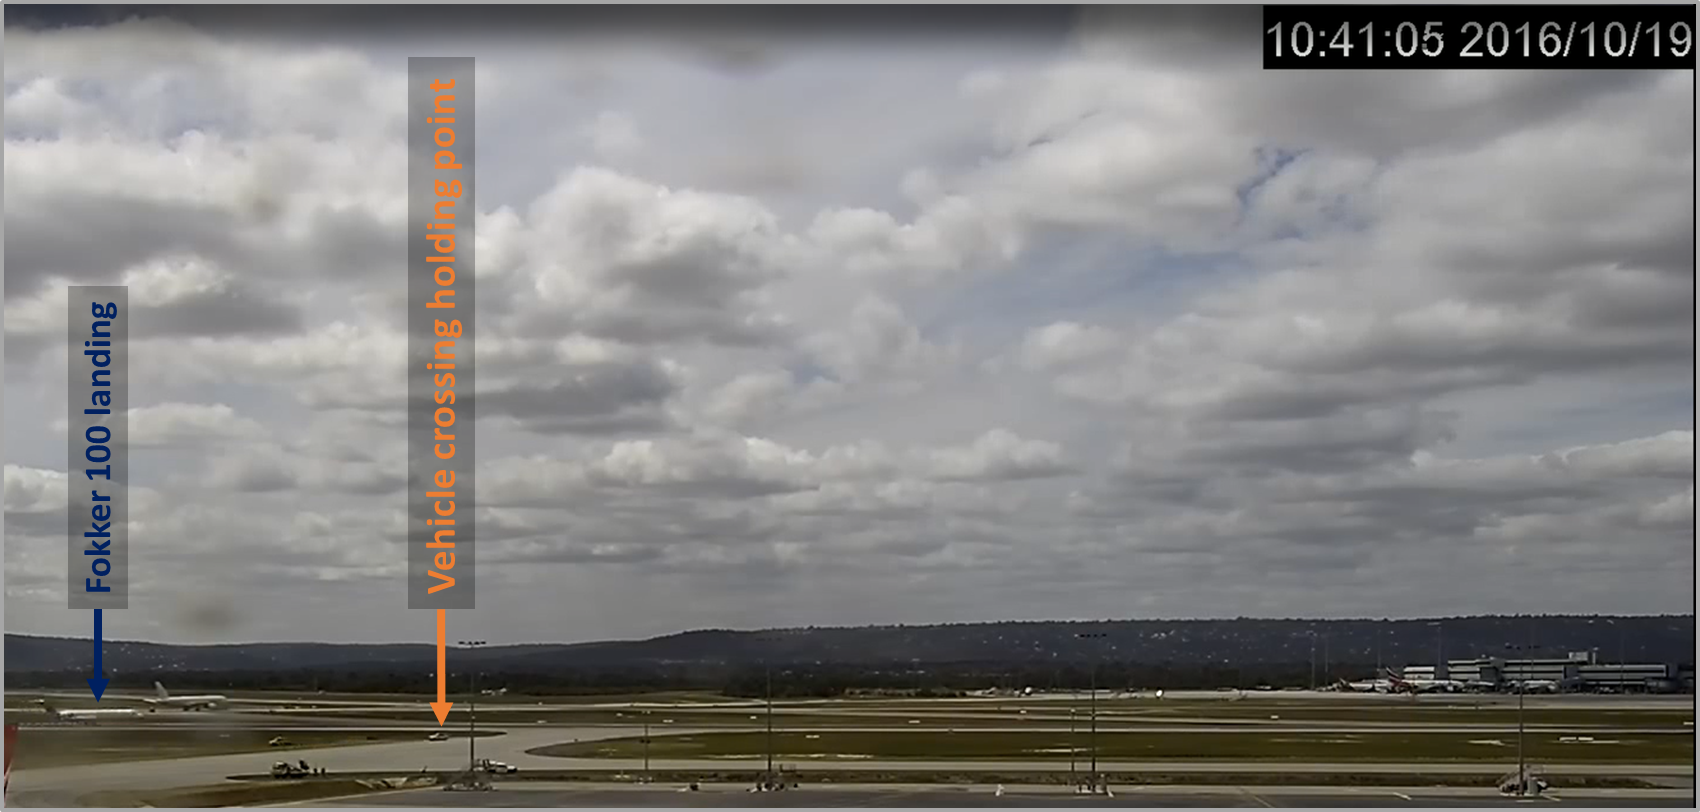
{"x": 1531, "y": 783}
{"x": 284, "y": 769}
{"x": 496, "y": 767}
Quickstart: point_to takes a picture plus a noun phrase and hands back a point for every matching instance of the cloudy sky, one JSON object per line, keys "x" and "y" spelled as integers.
{"x": 1056, "y": 317}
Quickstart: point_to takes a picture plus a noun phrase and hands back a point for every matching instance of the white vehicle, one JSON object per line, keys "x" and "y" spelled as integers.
{"x": 497, "y": 767}
{"x": 164, "y": 699}
{"x": 439, "y": 736}
{"x": 90, "y": 714}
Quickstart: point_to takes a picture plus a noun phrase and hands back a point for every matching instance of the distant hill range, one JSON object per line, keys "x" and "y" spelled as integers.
{"x": 1213, "y": 644}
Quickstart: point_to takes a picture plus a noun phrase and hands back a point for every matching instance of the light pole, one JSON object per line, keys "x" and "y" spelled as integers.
{"x": 1326, "y": 675}
{"x": 1439, "y": 650}
{"x": 1380, "y": 634}
{"x": 1313, "y": 660}
{"x": 472, "y": 711}
{"x": 1097, "y": 659}
{"x": 1073, "y": 757}
{"x": 1621, "y": 657}
{"x": 1073, "y": 743}
{"x": 767, "y": 667}
{"x": 769, "y": 643}
{"x": 646, "y": 745}
{"x": 1523, "y": 688}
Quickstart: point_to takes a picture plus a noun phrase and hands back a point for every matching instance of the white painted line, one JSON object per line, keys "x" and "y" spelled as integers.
{"x": 310, "y": 801}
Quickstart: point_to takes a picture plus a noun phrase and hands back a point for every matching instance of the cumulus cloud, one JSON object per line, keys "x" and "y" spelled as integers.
{"x": 1106, "y": 324}
{"x": 613, "y": 135}
{"x": 183, "y": 424}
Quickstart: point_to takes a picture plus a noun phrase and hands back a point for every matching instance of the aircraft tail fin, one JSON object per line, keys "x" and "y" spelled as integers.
{"x": 159, "y": 691}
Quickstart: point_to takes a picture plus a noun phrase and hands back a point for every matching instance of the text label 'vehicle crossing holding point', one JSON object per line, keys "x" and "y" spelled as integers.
{"x": 442, "y": 308}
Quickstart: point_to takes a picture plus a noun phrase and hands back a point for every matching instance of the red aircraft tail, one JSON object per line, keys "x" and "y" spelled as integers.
{"x": 1398, "y": 682}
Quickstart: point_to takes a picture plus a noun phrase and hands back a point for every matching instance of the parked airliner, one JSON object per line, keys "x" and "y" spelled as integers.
{"x": 164, "y": 699}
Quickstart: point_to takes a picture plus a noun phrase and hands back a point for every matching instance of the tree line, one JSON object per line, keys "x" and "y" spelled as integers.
{"x": 787, "y": 680}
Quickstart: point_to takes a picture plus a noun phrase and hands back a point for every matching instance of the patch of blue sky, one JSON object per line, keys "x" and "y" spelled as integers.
{"x": 757, "y": 128}
{"x": 805, "y": 372}
{"x": 1604, "y": 419}
{"x": 1557, "y": 412}
{"x": 1091, "y": 278}
{"x": 1337, "y": 211}
{"x": 1103, "y": 278}
{"x": 1270, "y": 160}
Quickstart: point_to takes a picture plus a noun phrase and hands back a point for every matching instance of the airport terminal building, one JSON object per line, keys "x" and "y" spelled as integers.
{"x": 1580, "y": 671}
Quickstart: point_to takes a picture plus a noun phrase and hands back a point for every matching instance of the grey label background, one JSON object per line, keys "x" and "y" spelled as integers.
{"x": 422, "y": 464}
{"x": 79, "y": 489}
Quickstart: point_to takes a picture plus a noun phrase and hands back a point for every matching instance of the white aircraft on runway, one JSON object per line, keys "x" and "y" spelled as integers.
{"x": 164, "y": 699}
{"x": 1423, "y": 686}
{"x": 90, "y": 714}
{"x": 1368, "y": 686}
{"x": 1395, "y": 684}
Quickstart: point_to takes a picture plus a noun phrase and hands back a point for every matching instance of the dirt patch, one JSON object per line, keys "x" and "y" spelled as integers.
{"x": 94, "y": 744}
{"x": 247, "y": 794}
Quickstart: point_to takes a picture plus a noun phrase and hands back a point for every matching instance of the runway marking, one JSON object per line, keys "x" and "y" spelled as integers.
{"x": 878, "y": 798}
{"x": 311, "y": 802}
{"x": 1251, "y": 795}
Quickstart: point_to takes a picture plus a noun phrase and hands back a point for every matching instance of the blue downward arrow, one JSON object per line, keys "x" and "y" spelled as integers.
{"x": 97, "y": 683}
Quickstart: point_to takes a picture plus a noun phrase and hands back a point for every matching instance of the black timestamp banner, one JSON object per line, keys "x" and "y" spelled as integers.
{"x": 1465, "y": 36}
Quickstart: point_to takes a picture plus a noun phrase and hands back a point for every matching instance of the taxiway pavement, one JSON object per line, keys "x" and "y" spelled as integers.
{"x": 986, "y": 796}
{"x": 61, "y": 786}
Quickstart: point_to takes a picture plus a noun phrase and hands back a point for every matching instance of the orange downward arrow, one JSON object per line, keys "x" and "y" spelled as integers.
{"x": 441, "y": 706}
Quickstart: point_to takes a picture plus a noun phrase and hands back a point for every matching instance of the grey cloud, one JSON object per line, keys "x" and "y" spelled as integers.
{"x": 34, "y": 523}
{"x": 216, "y": 314}
{"x": 743, "y": 378}
{"x": 258, "y": 476}
{"x": 1364, "y": 383}
{"x": 625, "y": 423}
{"x": 595, "y": 400}
{"x": 347, "y": 243}
{"x": 90, "y": 239}
{"x": 568, "y": 553}
{"x": 1349, "y": 441}
{"x": 1392, "y": 113}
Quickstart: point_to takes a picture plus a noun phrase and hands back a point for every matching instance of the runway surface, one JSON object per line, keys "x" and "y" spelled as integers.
{"x": 61, "y": 786}
{"x": 1107, "y": 700}
{"x": 610, "y": 731}
{"x": 935, "y": 797}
